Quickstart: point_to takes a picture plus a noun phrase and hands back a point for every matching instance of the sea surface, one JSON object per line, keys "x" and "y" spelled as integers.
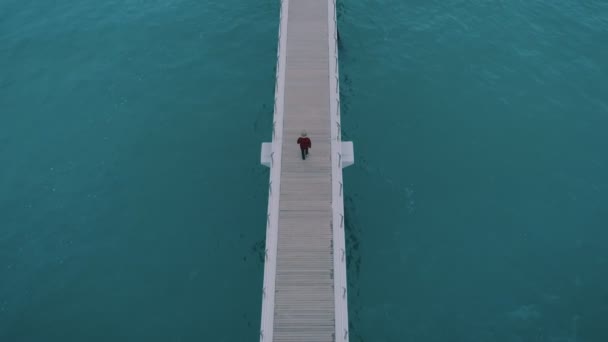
{"x": 132, "y": 202}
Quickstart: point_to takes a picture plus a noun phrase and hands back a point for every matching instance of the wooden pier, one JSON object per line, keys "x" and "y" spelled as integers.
{"x": 305, "y": 293}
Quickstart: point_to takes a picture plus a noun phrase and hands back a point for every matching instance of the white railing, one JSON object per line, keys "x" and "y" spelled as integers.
{"x": 340, "y": 278}
{"x": 272, "y": 217}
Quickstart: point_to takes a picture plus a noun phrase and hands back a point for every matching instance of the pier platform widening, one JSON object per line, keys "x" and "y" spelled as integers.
{"x": 305, "y": 291}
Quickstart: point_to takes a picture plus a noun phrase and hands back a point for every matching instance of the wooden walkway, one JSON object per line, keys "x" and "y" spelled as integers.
{"x": 300, "y": 292}
{"x": 304, "y": 297}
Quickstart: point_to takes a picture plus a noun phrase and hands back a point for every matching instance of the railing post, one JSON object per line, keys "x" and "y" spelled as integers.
{"x": 340, "y": 187}
{"x": 341, "y": 220}
{"x": 338, "y": 105}
{"x": 337, "y": 123}
{"x": 278, "y": 65}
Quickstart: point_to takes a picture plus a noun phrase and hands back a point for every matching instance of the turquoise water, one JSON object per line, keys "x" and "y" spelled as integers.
{"x": 132, "y": 203}
{"x": 132, "y": 200}
{"x": 479, "y": 192}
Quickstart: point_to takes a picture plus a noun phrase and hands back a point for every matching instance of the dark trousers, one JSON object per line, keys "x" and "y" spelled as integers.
{"x": 304, "y": 153}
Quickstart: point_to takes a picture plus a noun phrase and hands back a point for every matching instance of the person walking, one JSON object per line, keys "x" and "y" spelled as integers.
{"x": 304, "y": 143}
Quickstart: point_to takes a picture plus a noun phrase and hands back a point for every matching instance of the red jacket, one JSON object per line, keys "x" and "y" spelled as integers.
{"x": 304, "y": 142}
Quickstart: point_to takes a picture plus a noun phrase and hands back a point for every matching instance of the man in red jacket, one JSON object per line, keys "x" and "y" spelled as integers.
{"x": 305, "y": 144}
